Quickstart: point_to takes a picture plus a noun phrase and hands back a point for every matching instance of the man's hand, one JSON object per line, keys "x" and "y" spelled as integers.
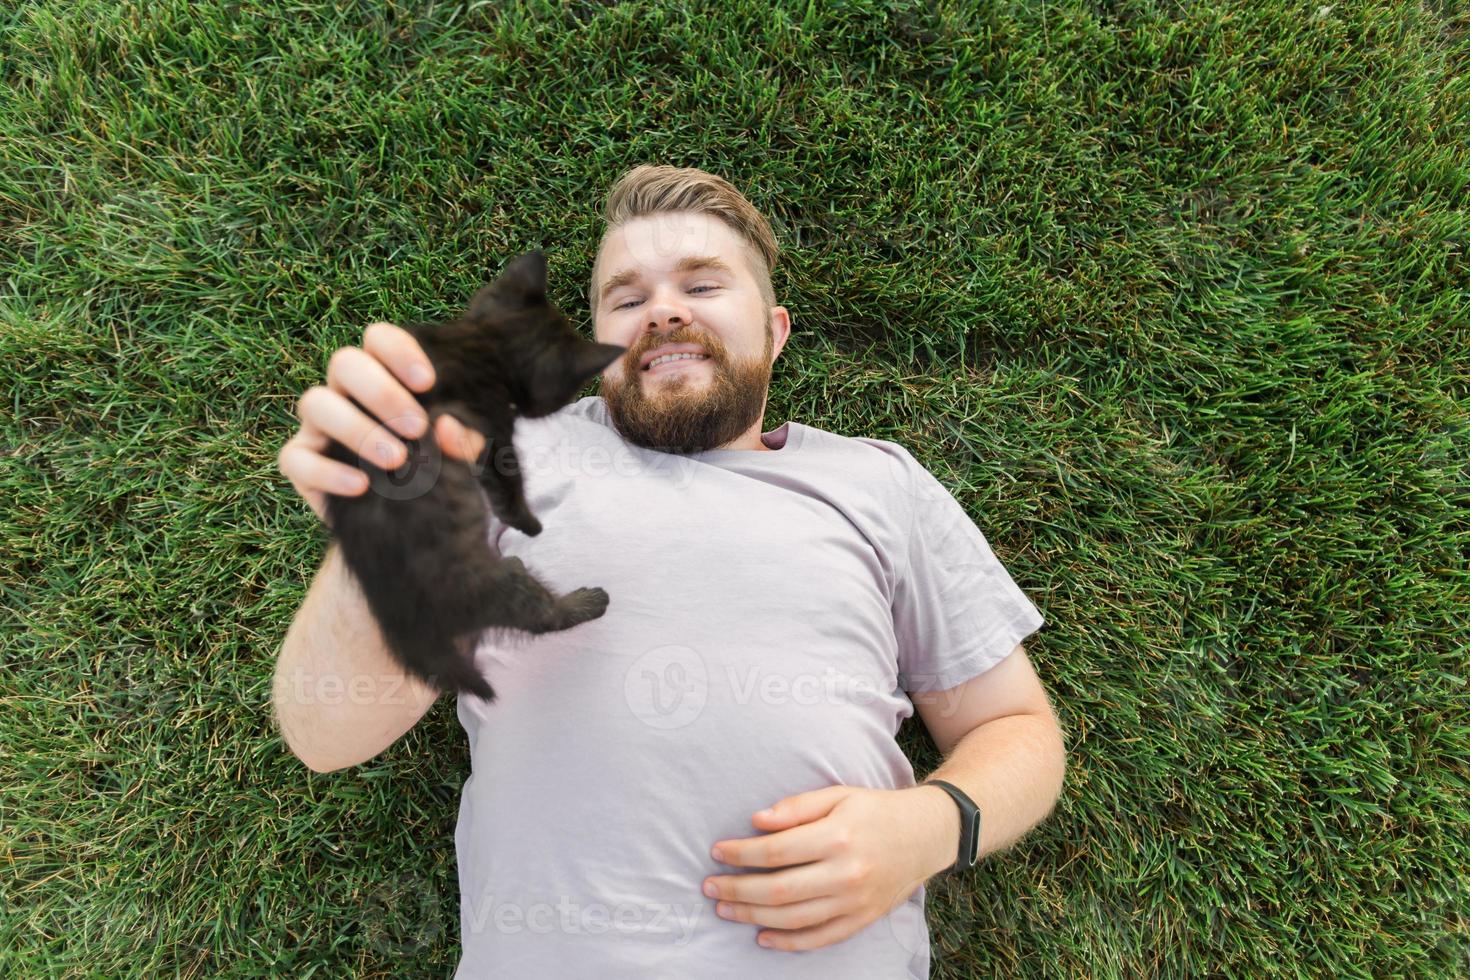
{"x": 380, "y": 376}
{"x": 861, "y": 853}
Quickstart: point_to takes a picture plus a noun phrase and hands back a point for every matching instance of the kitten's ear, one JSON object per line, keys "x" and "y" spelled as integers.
{"x": 485, "y": 300}
{"x": 522, "y": 283}
{"x": 525, "y": 279}
{"x": 589, "y": 359}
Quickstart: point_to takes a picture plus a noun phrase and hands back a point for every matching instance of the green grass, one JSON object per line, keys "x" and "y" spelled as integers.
{"x": 1172, "y": 297}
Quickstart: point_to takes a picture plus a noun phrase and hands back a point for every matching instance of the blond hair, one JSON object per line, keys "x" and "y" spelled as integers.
{"x": 655, "y": 189}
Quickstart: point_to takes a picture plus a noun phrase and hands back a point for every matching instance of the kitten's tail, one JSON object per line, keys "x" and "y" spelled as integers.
{"x": 444, "y": 663}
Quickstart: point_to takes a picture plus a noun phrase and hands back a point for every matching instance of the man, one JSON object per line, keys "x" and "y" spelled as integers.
{"x": 779, "y": 602}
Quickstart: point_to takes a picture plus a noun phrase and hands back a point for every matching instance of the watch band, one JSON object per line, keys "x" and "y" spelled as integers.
{"x": 969, "y": 825}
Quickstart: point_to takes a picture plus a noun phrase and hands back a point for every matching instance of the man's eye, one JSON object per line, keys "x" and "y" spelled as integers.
{"x": 633, "y": 301}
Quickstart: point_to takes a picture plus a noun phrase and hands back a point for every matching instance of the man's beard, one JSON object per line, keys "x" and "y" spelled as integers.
{"x": 673, "y": 413}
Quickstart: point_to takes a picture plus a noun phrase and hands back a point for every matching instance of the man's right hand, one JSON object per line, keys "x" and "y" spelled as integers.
{"x": 379, "y": 375}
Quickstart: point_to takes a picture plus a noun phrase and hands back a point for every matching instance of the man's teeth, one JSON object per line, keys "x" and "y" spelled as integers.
{"x": 674, "y": 357}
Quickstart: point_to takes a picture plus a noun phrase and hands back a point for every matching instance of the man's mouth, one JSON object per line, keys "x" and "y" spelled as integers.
{"x": 667, "y": 359}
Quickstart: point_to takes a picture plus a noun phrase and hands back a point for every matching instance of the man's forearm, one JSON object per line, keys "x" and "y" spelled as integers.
{"x": 338, "y": 696}
{"x": 1013, "y": 768}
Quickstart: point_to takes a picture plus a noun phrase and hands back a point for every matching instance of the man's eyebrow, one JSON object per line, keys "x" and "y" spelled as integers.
{"x": 687, "y": 264}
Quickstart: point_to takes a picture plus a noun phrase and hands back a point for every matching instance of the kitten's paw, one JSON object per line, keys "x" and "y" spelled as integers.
{"x": 511, "y": 566}
{"x": 584, "y": 604}
{"x": 528, "y": 525}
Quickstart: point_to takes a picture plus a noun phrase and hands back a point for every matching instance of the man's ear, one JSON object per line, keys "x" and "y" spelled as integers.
{"x": 780, "y": 327}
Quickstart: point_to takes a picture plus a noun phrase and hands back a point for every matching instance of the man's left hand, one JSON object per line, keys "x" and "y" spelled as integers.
{"x": 851, "y": 854}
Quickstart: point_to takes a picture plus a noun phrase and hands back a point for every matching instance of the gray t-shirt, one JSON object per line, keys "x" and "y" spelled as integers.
{"x": 767, "y": 613}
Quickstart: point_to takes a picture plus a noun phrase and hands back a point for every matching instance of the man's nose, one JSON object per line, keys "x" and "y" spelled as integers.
{"x": 666, "y": 315}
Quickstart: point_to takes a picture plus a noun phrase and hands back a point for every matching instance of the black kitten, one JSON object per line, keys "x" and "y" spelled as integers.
{"x": 417, "y": 541}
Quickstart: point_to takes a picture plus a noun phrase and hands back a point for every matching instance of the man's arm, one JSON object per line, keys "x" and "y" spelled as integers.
{"x": 338, "y": 696}
{"x": 1003, "y": 746}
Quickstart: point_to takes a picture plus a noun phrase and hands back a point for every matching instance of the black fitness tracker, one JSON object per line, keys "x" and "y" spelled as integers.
{"x": 969, "y": 826}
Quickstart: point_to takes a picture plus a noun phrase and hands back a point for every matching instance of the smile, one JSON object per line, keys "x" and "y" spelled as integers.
{"x": 674, "y": 361}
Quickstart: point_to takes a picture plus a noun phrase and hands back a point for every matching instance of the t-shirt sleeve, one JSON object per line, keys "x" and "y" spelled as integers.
{"x": 956, "y": 610}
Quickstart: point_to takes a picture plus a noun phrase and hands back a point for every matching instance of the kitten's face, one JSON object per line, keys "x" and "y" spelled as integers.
{"x": 547, "y": 361}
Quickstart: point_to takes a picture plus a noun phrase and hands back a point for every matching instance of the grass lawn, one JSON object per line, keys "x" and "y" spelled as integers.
{"x": 1173, "y": 297}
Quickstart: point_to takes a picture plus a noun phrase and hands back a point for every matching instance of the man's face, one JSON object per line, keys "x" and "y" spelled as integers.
{"x": 659, "y": 298}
